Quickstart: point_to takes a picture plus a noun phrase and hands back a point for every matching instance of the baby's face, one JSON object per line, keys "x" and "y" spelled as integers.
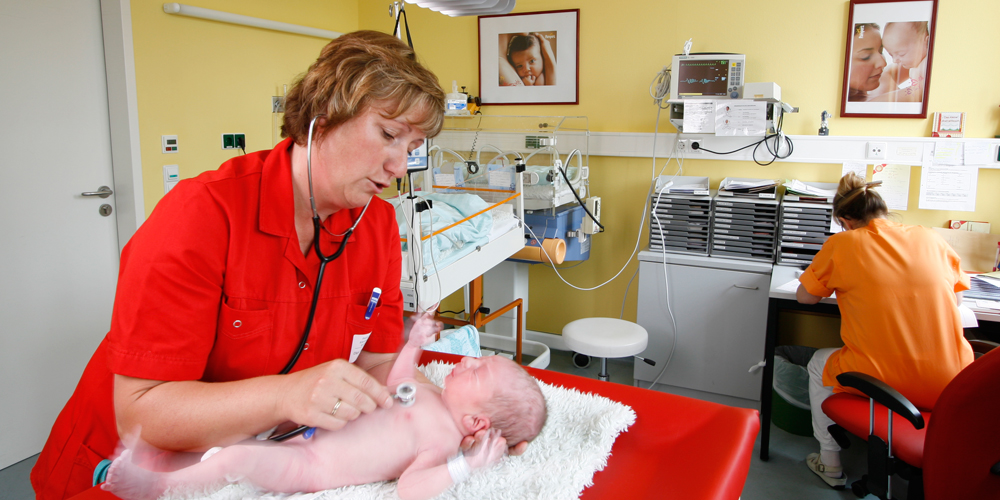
{"x": 528, "y": 64}
{"x": 472, "y": 380}
{"x": 907, "y": 47}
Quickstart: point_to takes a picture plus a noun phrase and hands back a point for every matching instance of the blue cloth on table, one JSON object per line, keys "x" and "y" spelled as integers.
{"x": 462, "y": 341}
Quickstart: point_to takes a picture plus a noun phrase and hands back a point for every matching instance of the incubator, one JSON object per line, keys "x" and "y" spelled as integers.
{"x": 481, "y": 153}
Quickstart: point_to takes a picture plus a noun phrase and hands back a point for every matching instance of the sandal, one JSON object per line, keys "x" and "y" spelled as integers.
{"x": 818, "y": 467}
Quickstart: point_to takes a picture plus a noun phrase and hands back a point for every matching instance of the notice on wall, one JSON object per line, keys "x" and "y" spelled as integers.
{"x": 948, "y": 153}
{"x": 858, "y": 167}
{"x": 977, "y": 153}
{"x": 895, "y": 188}
{"x": 949, "y": 188}
{"x": 740, "y": 118}
{"x": 699, "y": 117}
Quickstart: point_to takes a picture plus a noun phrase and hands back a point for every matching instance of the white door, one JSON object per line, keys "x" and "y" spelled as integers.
{"x": 59, "y": 254}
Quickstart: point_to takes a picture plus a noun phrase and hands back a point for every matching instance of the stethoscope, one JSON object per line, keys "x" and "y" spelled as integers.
{"x": 323, "y": 261}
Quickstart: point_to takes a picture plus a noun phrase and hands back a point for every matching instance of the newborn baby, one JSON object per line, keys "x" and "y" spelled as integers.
{"x": 419, "y": 443}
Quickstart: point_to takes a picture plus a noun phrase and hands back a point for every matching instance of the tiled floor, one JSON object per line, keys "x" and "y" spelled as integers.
{"x": 783, "y": 477}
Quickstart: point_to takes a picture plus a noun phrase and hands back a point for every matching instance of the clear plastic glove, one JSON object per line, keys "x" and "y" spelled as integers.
{"x": 487, "y": 451}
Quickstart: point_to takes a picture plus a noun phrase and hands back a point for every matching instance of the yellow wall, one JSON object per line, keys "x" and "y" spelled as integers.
{"x": 799, "y": 45}
{"x": 186, "y": 86}
{"x": 198, "y": 79}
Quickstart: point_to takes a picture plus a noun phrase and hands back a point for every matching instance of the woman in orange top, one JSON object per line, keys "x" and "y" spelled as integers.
{"x": 897, "y": 288}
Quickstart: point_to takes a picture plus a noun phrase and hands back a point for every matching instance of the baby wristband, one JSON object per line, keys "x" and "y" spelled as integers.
{"x": 458, "y": 468}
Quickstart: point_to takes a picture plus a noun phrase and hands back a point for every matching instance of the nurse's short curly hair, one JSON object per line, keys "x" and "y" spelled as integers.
{"x": 358, "y": 70}
{"x": 517, "y": 408}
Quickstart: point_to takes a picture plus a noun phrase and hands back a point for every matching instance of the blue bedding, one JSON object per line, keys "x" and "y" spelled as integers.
{"x": 457, "y": 241}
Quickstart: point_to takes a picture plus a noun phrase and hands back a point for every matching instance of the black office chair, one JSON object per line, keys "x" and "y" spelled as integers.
{"x": 957, "y": 455}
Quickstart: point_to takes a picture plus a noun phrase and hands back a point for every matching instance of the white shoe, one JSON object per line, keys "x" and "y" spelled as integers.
{"x": 816, "y": 465}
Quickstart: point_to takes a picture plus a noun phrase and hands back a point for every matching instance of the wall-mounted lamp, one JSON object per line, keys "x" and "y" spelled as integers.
{"x": 456, "y": 8}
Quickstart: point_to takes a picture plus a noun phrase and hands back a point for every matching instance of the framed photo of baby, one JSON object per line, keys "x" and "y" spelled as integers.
{"x": 530, "y": 58}
{"x": 887, "y": 63}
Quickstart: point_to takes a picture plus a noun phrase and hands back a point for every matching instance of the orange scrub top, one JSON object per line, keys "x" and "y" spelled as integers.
{"x": 214, "y": 287}
{"x": 896, "y": 289}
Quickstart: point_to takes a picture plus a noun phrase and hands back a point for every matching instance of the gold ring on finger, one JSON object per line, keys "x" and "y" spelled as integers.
{"x": 335, "y": 408}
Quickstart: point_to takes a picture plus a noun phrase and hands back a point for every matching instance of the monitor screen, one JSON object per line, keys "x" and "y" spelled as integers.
{"x": 703, "y": 78}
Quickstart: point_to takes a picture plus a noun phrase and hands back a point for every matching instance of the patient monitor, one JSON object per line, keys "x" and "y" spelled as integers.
{"x": 706, "y": 76}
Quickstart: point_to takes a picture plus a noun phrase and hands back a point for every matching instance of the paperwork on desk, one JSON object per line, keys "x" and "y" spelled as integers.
{"x": 895, "y": 188}
{"x": 988, "y": 304}
{"x": 793, "y": 286}
{"x": 739, "y": 185}
{"x": 968, "y": 317}
{"x": 800, "y": 188}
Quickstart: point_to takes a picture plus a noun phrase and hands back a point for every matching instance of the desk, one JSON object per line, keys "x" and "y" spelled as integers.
{"x": 779, "y": 300}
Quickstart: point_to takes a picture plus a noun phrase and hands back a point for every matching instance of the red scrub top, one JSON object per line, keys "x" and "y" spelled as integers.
{"x": 214, "y": 287}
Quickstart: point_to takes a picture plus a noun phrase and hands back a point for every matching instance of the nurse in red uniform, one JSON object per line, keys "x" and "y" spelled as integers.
{"x": 215, "y": 288}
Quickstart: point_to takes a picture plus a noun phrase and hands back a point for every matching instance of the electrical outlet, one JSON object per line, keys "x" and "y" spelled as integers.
{"x": 875, "y": 151}
{"x": 685, "y": 144}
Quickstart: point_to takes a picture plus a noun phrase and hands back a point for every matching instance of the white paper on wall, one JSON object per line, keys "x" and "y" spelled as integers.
{"x": 895, "y": 188}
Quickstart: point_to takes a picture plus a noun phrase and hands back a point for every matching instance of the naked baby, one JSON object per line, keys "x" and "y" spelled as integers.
{"x": 418, "y": 444}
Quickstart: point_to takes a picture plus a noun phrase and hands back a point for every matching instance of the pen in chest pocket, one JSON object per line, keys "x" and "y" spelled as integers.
{"x": 372, "y": 302}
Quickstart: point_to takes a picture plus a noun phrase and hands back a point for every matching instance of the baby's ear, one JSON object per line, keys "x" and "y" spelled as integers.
{"x": 476, "y": 423}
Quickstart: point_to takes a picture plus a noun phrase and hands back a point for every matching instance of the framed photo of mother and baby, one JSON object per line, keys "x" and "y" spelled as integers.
{"x": 887, "y": 64}
{"x": 530, "y": 58}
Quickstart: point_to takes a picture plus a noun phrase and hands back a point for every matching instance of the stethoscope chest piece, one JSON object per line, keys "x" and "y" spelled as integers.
{"x": 406, "y": 393}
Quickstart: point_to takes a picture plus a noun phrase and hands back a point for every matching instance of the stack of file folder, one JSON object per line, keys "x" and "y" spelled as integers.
{"x": 806, "y": 221}
{"x": 680, "y": 215}
{"x": 745, "y": 219}
{"x": 983, "y": 288}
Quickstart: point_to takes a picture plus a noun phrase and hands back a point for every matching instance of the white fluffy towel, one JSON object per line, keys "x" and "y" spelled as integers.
{"x": 574, "y": 444}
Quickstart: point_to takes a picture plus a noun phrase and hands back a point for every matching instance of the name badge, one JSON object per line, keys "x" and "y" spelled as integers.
{"x": 358, "y": 345}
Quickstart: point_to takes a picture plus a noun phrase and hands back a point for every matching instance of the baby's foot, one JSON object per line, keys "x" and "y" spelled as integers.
{"x": 131, "y": 482}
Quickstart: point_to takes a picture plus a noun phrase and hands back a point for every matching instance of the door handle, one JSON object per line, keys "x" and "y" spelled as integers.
{"x": 102, "y": 191}
{"x": 747, "y": 287}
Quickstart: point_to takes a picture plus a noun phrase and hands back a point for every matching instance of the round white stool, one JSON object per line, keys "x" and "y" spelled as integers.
{"x": 605, "y": 338}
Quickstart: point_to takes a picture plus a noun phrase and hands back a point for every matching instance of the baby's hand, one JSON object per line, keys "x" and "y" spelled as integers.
{"x": 487, "y": 451}
{"x": 424, "y": 330}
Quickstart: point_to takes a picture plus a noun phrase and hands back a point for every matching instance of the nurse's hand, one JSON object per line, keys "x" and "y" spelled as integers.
{"x": 469, "y": 441}
{"x": 331, "y": 394}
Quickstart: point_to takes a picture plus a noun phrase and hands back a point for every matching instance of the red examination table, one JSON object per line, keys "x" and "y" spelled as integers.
{"x": 678, "y": 447}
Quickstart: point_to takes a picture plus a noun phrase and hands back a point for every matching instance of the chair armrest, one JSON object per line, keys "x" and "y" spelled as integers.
{"x": 883, "y": 395}
{"x": 980, "y": 347}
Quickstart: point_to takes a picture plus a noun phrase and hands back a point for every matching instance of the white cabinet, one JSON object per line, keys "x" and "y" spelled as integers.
{"x": 720, "y": 309}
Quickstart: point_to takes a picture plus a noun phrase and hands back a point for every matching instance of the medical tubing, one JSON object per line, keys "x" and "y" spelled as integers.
{"x": 666, "y": 289}
{"x": 662, "y": 84}
{"x": 498, "y": 150}
{"x": 642, "y": 221}
{"x": 652, "y": 188}
{"x": 578, "y": 200}
{"x": 775, "y": 154}
{"x": 437, "y": 275}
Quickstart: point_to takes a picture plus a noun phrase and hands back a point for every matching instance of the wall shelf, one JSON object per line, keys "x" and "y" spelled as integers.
{"x": 808, "y": 148}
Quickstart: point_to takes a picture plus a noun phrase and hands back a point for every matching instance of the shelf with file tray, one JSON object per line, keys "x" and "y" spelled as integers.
{"x": 745, "y": 221}
{"x": 681, "y": 215}
{"x": 806, "y": 221}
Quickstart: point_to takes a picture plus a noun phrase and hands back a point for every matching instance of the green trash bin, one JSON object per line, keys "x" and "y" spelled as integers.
{"x": 790, "y": 390}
